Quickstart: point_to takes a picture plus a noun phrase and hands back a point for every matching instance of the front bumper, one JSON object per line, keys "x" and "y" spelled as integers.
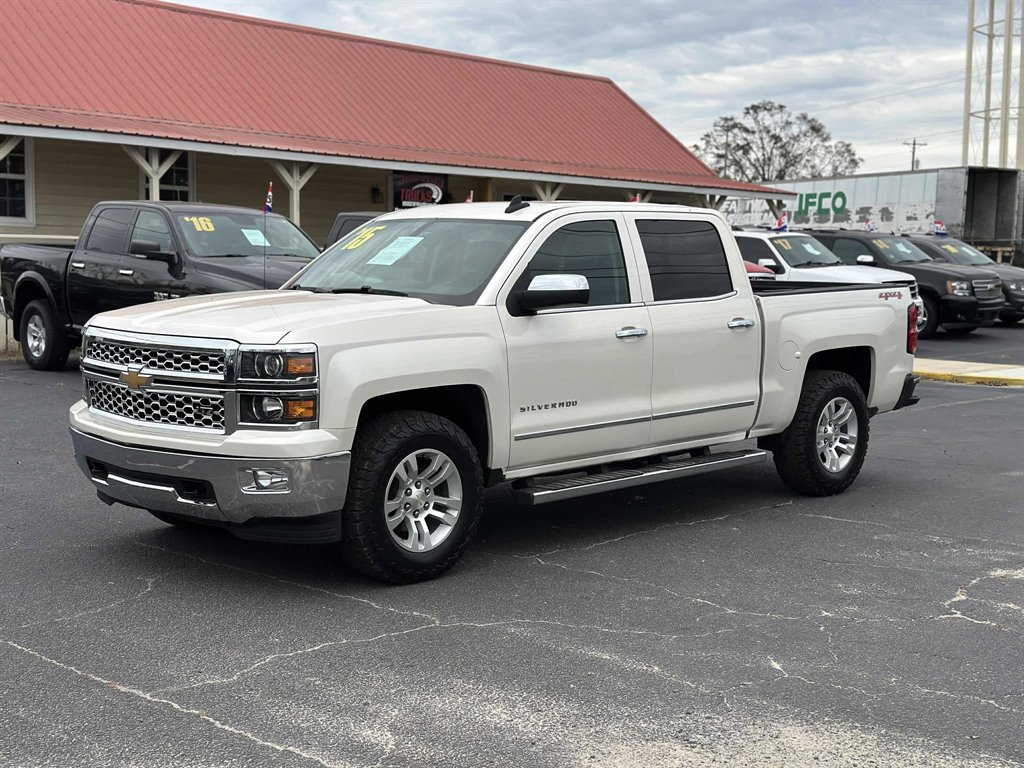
{"x": 1014, "y": 308}
{"x": 968, "y": 310}
{"x": 216, "y": 489}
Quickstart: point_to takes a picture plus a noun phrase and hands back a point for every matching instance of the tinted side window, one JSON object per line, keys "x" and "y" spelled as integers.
{"x": 588, "y": 248}
{"x": 848, "y": 249}
{"x": 110, "y": 230}
{"x": 752, "y": 250}
{"x": 152, "y": 227}
{"x": 685, "y": 258}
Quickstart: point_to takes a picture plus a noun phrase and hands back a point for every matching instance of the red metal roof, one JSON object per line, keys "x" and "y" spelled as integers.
{"x": 150, "y": 69}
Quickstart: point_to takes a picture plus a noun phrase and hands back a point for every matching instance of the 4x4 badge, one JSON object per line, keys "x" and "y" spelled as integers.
{"x": 133, "y": 379}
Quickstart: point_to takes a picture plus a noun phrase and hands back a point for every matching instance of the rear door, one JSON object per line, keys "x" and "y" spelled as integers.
{"x": 579, "y": 377}
{"x": 93, "y": 268}
{"x": 707, "y": 357}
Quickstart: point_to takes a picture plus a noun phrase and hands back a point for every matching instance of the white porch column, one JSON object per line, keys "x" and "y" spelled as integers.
{"x": 294, "y": 177}
{"x": 148, "y": 160}
{"x": 8, "y": 146}
{"x": 547, "y": 193}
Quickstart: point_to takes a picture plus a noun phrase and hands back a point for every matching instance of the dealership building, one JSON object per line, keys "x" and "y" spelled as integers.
{"x": 115, "y": 99}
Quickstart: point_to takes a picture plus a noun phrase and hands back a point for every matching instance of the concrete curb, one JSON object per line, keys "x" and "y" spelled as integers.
{"x": 970, "y": 373}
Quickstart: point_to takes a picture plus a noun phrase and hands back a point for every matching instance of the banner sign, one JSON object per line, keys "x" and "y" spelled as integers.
{"x": 416, "y": 189}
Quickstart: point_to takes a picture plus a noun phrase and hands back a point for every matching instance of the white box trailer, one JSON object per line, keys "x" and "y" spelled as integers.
{"x": 983, "y": 206}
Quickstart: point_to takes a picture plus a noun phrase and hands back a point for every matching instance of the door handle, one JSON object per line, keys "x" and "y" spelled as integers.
{"x": 741, "y": 322}
{"x": 629, "y": 332}
{"x": 78, "y": 265}
{"x": 126, "y": 272}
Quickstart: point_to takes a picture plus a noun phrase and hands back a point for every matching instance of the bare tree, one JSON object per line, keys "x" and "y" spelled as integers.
{"x": 770, "y": 143}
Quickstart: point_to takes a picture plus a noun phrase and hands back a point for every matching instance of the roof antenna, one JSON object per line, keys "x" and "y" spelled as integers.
{"x": 516, "y": 204}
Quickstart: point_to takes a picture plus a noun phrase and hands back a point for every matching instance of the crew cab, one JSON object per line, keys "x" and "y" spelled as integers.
{"x": 133, "y": 252}
{"x": 567, "y": 348}
{"x": 796, "y": 256}
{"x": 960, "y": 299}
{"x": 346, "y": 222}
{"x": 952, "y": 251}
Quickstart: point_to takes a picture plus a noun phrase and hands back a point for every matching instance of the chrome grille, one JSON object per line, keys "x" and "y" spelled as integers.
{"x": 202, "y": 411}
{"x": 987, "y": 289}
{"x": 156, "y": 358}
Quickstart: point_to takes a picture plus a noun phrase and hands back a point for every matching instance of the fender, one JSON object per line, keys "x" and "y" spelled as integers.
{"x": 36, "y": 279}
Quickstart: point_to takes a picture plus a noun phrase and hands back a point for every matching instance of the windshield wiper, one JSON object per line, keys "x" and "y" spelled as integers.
{"x": 298, "y": 287}
{"x": 368, "y": 289}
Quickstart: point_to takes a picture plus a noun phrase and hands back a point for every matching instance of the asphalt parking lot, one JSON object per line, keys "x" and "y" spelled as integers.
{"x": 720, "y": 620}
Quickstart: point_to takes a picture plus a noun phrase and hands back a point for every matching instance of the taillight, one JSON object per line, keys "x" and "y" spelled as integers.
{"x": 912, "y": 328}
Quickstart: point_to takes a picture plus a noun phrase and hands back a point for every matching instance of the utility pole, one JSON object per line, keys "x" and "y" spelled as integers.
{"x": 913, "y": 151}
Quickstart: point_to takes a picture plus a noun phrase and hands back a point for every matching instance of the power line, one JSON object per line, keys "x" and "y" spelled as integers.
{"x": 888, "y": 95}
{"x": 913, "y": 151}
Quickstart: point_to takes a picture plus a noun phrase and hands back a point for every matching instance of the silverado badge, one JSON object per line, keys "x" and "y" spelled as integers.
{"x": 133, "y": 379}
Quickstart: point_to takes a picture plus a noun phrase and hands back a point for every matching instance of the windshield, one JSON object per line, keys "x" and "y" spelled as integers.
{"x": 443, "y": 261}
{"x": 899, "y": 250}
{"x": 803, "y": 251}
{"x": 961, "y": 253}
{"x": 243, "y": 234}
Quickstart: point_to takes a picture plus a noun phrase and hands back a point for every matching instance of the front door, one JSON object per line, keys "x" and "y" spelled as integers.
{"x": 579, "y": 377}
{"x": 92, "y": 270}
{"x": 706, "y": 380}
{"x": 143, "y": 275}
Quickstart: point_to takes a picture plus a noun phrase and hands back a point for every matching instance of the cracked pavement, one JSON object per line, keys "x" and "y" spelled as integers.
{"x": 719, "y": 620}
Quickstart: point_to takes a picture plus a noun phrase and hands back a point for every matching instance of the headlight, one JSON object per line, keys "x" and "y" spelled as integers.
{"x": 1017, "y": 286}
{"x": 958, "y": 287}
{"x": 277, "y": 409}
{"x": 285, "y": 364}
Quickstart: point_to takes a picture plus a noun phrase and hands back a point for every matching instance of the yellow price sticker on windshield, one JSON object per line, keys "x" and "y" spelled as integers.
{"x": 950, "y": 248}
{"x": 362, "y": 237}
{"x": 880, "y": 243}
{"x": 201, "y": 223}
{"x": 784, "y": 243}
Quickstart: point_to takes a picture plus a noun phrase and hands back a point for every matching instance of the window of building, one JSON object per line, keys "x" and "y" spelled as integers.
{"x": 588, "y": 248}
{"x": 685, "y": 258}
{"x": 152, "y": 227}
{"x": 753, "y": 250}
{"x": 16, "y": 192}
{"x": 177, "y": 183}
{"x": 109, "y": 232}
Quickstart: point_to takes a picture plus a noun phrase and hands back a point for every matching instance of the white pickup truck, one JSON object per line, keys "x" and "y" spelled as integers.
{"x": 568, "y": 348}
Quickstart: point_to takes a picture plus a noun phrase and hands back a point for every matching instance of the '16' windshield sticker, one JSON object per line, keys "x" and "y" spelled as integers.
{"x": 880, "y": 243}
{"x": 201, "y": 223}
{"x": 362, "y": 237}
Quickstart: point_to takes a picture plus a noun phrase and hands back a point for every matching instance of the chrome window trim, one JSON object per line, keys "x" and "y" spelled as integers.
{"x": 699, "y": 299}
{"x": 565, "y": 310}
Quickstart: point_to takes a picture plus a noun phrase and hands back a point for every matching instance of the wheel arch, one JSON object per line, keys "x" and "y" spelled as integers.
{"x": 857, "y": 361}
{"x": 30, "y": 287}
{"x": 464, "y": 404}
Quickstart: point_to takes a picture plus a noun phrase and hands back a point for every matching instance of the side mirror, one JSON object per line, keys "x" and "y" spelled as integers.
{"x": 866, "y": 258}
{"x": 771, "y": 264}
{"x": 149, "y": 249}
{"x": 548, "y": 291}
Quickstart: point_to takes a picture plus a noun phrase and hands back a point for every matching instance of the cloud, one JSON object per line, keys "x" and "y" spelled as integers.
{"x": 875, "y": 73}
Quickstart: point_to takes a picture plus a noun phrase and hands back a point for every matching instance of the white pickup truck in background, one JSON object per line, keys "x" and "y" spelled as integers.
{"x": 804, "y": 258}
{"x": 569, "y": 348}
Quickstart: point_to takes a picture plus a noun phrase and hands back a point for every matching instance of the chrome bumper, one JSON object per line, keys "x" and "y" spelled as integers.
{"x": 215, "y": 488}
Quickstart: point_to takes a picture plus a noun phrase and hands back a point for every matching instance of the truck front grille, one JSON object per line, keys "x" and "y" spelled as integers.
{"x": 987, "y": 289}
{"x": 156, "y": 358}
{"x": 201, "y": 411}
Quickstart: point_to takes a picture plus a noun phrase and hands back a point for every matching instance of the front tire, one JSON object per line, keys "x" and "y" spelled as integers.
{"x": 931, "y": 317}
{"x": 43, "y": 342}
{"x": 823, "y": 449}
{"x": 414, "y": 499}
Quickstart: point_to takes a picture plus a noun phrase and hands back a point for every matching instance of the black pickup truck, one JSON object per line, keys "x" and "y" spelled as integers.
{"x": 132, "y": 252}
{"x": 959, "y": 298}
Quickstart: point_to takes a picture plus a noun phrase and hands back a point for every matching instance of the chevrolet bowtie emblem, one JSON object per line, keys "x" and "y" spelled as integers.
{"x": 135, "y": 380}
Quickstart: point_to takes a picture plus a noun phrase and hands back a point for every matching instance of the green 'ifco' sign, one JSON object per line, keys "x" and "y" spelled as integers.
{"x": 808, "y": 203}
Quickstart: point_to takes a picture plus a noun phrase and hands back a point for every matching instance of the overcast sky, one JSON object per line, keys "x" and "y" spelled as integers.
{"x": 876, "y": 72}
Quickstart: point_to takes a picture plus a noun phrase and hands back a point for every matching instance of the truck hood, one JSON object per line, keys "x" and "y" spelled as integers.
{"x": 849, "y": 274}
{"x": 949, "y": 271}
{"x": 253, "y": 272}
{"x": 255, "y": 317}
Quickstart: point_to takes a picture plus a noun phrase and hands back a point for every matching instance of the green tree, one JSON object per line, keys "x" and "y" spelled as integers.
{"x": 770, "y": 143}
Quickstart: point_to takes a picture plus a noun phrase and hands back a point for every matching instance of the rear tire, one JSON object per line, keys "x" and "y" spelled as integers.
{"x": 823, "y": 449}
{"x": 44, "y": 344}
{"x": 414, "y": 499}
{"x": 931, "y": 317}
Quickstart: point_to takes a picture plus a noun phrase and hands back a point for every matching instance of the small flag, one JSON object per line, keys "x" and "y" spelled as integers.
{"x": 268, "y": 204}
{"x": 634, "y": 198}
{"x": 782, "y": 223}
{"x": 469, "y": 197}
{"x": 940, "y": 228}
{"x": 870, "y": 225}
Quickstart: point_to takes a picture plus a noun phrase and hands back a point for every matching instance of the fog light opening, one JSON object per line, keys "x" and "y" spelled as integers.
{"x": 265, "y": 481}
